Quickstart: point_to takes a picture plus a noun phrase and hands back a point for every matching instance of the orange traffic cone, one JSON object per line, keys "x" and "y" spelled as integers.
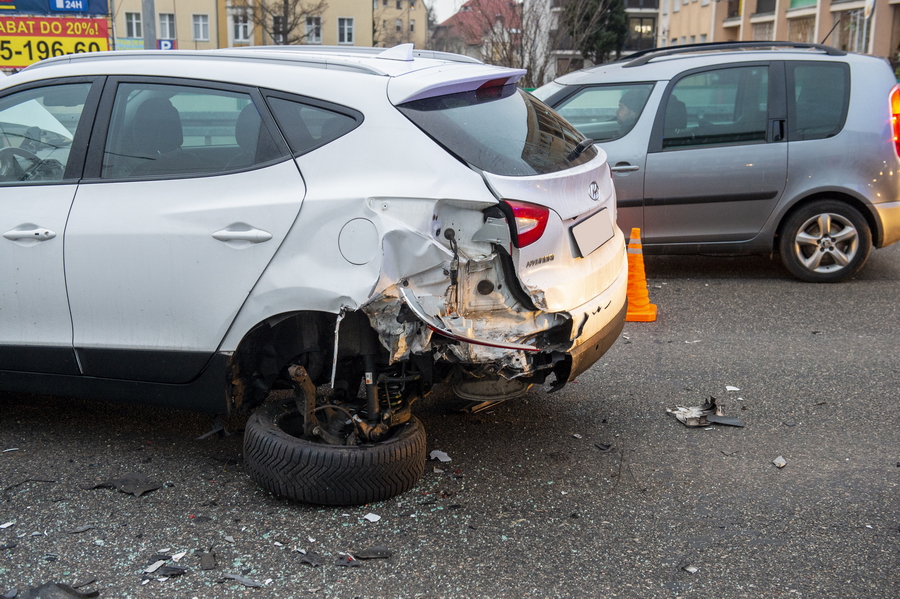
{"x": 639, "y": 307}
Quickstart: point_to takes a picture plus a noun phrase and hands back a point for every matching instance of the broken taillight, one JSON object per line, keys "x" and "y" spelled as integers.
{"x": 895, "y": 117}
{"x": 528, "y": 222}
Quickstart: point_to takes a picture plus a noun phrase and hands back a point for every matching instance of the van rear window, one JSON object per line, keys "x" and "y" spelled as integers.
{"x": 501, "y": 130}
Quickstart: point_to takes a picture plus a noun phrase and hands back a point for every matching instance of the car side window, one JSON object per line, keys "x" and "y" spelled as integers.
{"x": 175, "y": 130}
{"x": 606, "y": 112}
{"x": 37, "y": 127}
{"x": 307, "y": 126}
{"x": 722, "y": 106}
{"x": 817, "y": 107}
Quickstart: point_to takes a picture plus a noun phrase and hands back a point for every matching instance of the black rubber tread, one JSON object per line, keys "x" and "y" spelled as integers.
{"x": 796, "y": 219}
{"x": 323, "y": 474}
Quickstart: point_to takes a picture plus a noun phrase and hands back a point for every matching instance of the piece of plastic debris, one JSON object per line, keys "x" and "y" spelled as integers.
{"x": 708, "y": 413}
{"x": 247, "y": 582}
{"x": 438, "y": 470}
{"x": 789, "y": 423}
{"x": 7, "y": 524}
{"x": 732, "y": 388}
{"x": 372, "y": 517}
{"x": 229, "y": 538}
{"x": 279, "y": 544}
{"x": 85, "y": 582}
{"x": 312, "y": 559}
{"x": 310, "y": 539}
{"x": 154, "y": 566}
{"x": 780, "y": 462}
{"x": 170, "y": 571}
{"x": 208, "y": 561}
{"x": 10, "y": 545}
{"x": 690, "y": 569}
{"x": 348, "y": 562}
{"x": 179, "y": 555}
{"x": 694, "y": 341}
{"x": 439, "y": 455}
{"x": 132, "y": 482}
{"x": 602, "y": 446}
{"x": 55, "y": 590}
{"x": 11, "y": 449}
{"x": 84, "y": 528}
{"x": 374, "y": 552}
{"x": 576, "y": 435}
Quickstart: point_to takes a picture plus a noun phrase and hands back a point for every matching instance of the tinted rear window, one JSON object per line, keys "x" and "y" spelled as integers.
{"x": 500, "y": 130}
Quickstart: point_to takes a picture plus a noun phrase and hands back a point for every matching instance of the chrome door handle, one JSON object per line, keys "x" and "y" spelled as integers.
{"x": 36, "y": 234}
{"x": 242, "y": 233}
{"x": 624, "y": 167}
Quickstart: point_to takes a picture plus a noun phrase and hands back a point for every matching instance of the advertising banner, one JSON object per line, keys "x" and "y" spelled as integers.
{"x": 54, "y": 7}
{"x": 25, "y": 40}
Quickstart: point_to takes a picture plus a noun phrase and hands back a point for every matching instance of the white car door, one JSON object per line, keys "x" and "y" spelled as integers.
{"x": 193, "y": 198}
{"x": 37, "y": 132}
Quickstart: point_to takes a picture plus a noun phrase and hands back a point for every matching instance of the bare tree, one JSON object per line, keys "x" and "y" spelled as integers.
{"x": 284, "y": 21}
{"x": 542, "y": 36}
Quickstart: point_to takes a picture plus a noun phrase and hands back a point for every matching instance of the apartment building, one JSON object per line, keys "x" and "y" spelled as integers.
{"x": 185, "y": 24}
{"x": 399, "y": 22}
{"x": 204, "y": 24}
{"x": 863, "y": 26}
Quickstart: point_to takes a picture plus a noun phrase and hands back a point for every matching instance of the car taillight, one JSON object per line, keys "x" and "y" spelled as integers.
{"x": 895, "y": 117}
{"x": 529, "y": 222}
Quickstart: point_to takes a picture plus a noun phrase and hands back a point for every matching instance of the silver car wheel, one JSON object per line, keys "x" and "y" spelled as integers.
{"x": 826, "y": 243}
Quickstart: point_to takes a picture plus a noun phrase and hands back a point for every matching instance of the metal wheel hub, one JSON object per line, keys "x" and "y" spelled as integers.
{"x": 826, "y": 243}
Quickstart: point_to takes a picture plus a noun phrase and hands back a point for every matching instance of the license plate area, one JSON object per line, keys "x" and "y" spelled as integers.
{"x": 592, "y": 232}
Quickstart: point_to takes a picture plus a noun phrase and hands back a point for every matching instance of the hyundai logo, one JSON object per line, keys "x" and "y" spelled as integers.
{"x": 594, "y": 191}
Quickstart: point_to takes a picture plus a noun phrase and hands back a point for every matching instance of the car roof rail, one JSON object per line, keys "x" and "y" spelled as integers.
{"x": 644, "y": 56}
{"x": 361, "y": 50}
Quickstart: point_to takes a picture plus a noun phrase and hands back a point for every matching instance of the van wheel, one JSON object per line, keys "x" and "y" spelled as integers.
{"x": 825, "y": 242}
{"x": 282, "y": 461}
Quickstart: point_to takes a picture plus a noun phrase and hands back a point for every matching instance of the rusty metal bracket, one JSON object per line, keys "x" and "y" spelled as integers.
{"x": 305, "y": 397}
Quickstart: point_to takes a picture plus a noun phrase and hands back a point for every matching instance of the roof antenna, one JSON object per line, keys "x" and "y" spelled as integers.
{"x": 840, "y": 17}
{"x": 402, "y": 52}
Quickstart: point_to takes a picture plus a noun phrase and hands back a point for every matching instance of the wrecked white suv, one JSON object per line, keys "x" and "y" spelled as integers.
{"x": 194, "y": 229}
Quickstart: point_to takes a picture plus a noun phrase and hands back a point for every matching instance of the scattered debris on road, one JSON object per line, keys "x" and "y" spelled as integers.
{"x": 780, "y": 462}
{"x": 439, "y": 455}
{"x": 708, "y": 413}
{"x": 133, "y": 483}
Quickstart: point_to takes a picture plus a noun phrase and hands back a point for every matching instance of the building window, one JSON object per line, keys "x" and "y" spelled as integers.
{"x": 853, "y": 30}
{"x": 802, "y": 29}
{"x": 166, "y": 26}
{"x": 133, "y": 25}
{"x": 702, "y": 38}
{"x": 278, "y": 29}
{"x": 313, "y": 30}
{"x": 201, "y": 28}
{"x": 412, "y": 25}
{"x": 399, "y": 25}
{"x": 345, "y": 30}
{"x": 241, "y": 28}
{"x": 399, "y": 4}
{"x": 764, "y": 32}
{"x": 412, "y": 4}
{"x": 765, "y": 7}
{"x": 641, "y": 33}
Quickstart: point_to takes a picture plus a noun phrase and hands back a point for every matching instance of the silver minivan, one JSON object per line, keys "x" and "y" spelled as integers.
{"x": 748, "y": 148}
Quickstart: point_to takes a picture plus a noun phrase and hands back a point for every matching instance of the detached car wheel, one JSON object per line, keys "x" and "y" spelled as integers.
{"x": 825, "y": 242}
{"x": 280, "y": 460}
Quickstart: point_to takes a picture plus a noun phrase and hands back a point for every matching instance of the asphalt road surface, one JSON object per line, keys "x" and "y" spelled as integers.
{"x": 594, "y": 491}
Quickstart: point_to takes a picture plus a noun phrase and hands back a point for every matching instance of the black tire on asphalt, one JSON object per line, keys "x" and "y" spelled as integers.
{"x": 281, "y": 461}
{"x": 799, "y": 258}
